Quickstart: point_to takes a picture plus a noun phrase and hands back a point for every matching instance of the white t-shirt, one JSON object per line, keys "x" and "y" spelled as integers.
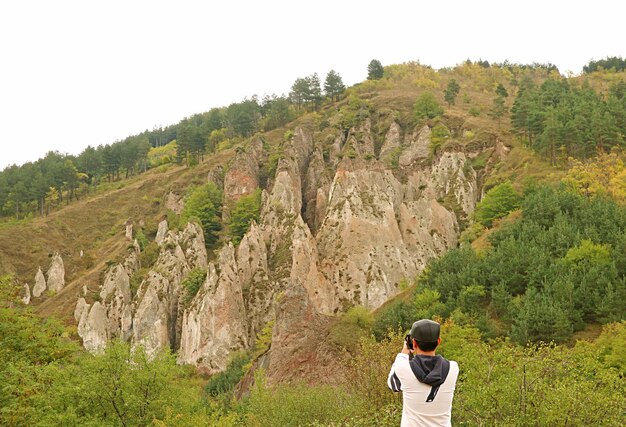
{"x": 416, "y": 412}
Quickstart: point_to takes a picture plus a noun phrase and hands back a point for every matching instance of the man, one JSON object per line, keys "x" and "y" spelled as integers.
{"x": 427, "y": 381}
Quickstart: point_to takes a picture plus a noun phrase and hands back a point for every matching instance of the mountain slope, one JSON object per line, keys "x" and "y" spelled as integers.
{"x": 357, "y": 197}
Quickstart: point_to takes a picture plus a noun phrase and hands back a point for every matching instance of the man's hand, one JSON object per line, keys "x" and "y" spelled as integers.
{"x": 405, "y": 349}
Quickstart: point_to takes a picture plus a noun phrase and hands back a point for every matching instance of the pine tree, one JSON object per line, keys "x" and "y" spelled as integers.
{"x": 375, "y": 70}
{"x": 333, "y": 85}
{"x": 452, "y": 90}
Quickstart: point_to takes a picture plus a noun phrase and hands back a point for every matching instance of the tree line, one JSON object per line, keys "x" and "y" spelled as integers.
{"x": 560, "y": 120}
{"x": 613, "y": 63}
{"x": 36, "y": 187}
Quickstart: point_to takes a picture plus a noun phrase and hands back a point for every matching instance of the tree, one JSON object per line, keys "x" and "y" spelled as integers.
{"x": 501, "y": 91}
{"x": 427, "y": 107}
{"x": 90, "y": 162}
{"x": 276, "y": 111}
{"x": 315, "y": 91}
{"x": 246, "y": 210}
{"x": 498, "y": 202}
{"x": 298, "y": 92}
{"x": 333, "y": 85}
{"x": 375, "y": 70}
{"x": 452, "y": 90}
{"x": 498, "y": 109}
{"x": 204, "y": 204}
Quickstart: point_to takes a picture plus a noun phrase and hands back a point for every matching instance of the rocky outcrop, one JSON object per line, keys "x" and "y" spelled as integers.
{"x": 215, "y": 324}
{"x": 392, "y": 142}
{"x": 128, "y": 232}
{"x": 25, "y": 294}
{"x": 216, "y": 176}
{"x": 174, "y": 202}
{"x": 56, "y": 274}
{"x": 361, "y": 247}
{"x": 316, "y": 180}
{"x": 151, "y": 317}
{"x": 161, "y": 232}
{"x": 298, "y": 349}
{"x": 40, "y": 284}
{"x": 116, "y": 297}
{"x": 92, "y": 325}
{"x": 158, "y": 315}
{"x": 337, "y": 228}
{"x": 360, "y": 143}
{"x": 418, "y": 146}
{"x": 242, "y": 177}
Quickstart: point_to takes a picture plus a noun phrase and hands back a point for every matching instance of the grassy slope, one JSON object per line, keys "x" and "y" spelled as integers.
{"x": 95, "y": 224}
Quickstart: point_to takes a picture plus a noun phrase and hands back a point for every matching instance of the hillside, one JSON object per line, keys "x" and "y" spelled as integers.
{"x": 263, "y": 259}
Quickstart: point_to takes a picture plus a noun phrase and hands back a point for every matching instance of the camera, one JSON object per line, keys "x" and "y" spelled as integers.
{"x": 409, "y": 342}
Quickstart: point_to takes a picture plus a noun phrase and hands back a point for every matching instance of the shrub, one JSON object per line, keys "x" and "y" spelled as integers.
{"x": 296, "y": 405}
{"x": 204, "y": 204}
{"x": 497, "y": 203}
{"x": 398, "y": 315}
{"x": 142, "y": 240}
{"x": 225, "y": 381}
{"x": 427, "y": 107}
{"x": 246, "y": 210}
{"x": 149, "y": 255}
{"x": 474, "y": 111}
{"x": 354, "y": 324}
{"x": 192, "y": 283}
{"x": 439, "y": 135}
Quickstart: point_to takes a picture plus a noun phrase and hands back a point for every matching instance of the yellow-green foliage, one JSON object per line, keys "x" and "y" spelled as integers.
{"x": 604, "y": 175}
{"x": 296, "y": 405}
{"x": 264, "y": 339}
{"x": 354, "y": 324}
{"x": 246, "y": 210}
{"x": 423, "y": 76}
{"x": 497, "y": 203}
{"x": 192, "y": 283}
{"x": 440, "y": 134}
{"x": 158, "y": 156}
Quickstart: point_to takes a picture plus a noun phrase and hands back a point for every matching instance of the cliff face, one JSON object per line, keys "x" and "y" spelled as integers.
{"x": 340, "y": 225}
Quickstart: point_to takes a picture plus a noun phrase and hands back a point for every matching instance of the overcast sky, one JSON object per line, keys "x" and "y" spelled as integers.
{"x": 79, "y": 73}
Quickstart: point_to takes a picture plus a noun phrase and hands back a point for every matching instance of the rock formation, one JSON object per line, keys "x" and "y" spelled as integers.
{"x": 40, "y": 284}
{"x": 56, "y": 274}
{"x": 338, "y": 227}
{"x": 128, "y": 233}
{"x": 174, "y": 202}
{"x": 25, "y": 294}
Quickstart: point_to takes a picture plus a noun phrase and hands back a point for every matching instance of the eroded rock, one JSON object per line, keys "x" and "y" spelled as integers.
{"x": 56, "y": 274}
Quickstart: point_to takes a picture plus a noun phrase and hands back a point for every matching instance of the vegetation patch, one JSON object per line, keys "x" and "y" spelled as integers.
{"x": 204, "y": 205}
{"x": 246, "y": 210}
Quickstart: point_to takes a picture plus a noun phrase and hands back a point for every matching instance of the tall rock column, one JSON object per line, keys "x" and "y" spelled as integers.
{"x": 56, "y": 273}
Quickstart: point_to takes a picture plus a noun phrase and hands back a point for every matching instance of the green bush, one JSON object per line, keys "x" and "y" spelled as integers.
{"x": 427, "y": 107}
{"x": 474, "y": 111}
{"x": 204, "y": 204}
{"x": 349, "y": 329}
{"x": 192, "y": 283}
{"x": 398, "y": 315}
{"x": 246, "y": 210}
{"x": 439, "y": 135}
{"x": 142, "y": 240}
{"x": 296, "y": 405}
{"x": 497, "y": 203}
{"x": 149, "y": 255}
{"x": 225, "y": 382}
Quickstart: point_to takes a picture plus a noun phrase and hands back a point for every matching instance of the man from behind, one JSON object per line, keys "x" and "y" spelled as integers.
{"x": 427, "y": 381}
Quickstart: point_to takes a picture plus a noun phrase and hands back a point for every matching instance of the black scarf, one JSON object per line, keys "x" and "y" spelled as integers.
{"x": 431, "y": 370}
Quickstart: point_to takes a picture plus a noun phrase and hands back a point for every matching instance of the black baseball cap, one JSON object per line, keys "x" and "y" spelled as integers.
{"x": 425, "y": 331}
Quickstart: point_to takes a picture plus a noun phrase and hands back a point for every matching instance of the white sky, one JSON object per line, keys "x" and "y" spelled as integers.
{"x": 78, "y": 73}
